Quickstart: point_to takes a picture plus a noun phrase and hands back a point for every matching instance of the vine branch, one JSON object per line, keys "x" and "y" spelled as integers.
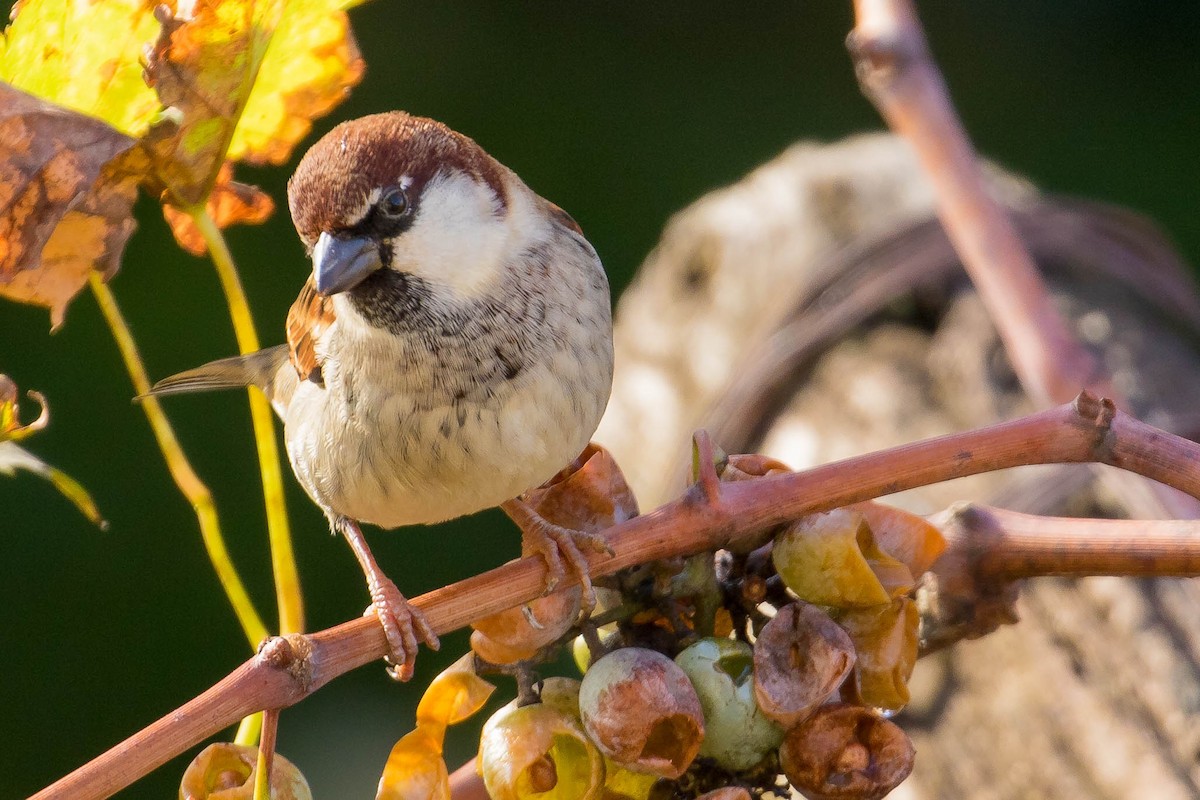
{"x": 289, "y": 668}
{"x": 898, "y": 74}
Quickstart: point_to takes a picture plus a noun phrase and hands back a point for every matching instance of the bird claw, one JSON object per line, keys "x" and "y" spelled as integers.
{"x": 557, "y": 544}
{"x": 403, "y": 624}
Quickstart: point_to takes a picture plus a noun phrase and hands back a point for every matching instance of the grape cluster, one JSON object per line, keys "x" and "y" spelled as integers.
{"x": 730, "y": 674}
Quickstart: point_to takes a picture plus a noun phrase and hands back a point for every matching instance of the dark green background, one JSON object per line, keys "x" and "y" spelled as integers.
{"x": 622, "y": 113}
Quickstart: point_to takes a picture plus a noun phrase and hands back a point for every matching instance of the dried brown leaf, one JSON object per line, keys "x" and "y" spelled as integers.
{"x": 589, "y": 495}
{"x": 67, "y": 186}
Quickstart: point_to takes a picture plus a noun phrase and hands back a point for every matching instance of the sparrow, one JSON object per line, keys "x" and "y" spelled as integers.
{"x": 451, "y": 349}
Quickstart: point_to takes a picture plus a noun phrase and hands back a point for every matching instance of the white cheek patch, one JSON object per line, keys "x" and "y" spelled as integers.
{"x": 459, "y": 237}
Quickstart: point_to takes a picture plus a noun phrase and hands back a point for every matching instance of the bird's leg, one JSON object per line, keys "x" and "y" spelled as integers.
{"x": 403, "y": 623}
{"x": 556, "y": 543}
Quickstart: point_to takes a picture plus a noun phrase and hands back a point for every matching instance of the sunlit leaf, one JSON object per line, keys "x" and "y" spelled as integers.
{"x": 243, "y": 80}
{"x": 67, "y": 186}
{"x": 885, "y": 640}
{"x": 309, "y": 67}
{"x": 452, "y": 696}
{"x": 230, "y": 202}
{"x": 415, "y": 769}
{"x": 84, "y": 55}
{"x": 203, "y": 66}
{"x": 11, "y": 427}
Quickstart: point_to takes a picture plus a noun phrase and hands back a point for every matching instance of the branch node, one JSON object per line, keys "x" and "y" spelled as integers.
{"x": 291, "y": 653}
{"x": 1099, "y": 413}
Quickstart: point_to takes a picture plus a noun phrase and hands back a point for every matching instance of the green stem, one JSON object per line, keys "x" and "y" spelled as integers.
{"x": 283, "y": 561}
{"x": 180, "y": 468}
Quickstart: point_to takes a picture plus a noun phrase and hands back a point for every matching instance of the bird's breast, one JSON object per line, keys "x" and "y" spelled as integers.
{"x": 445, "y": 428}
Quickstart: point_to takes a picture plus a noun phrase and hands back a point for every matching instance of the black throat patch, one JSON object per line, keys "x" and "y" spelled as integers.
{"x": 394, "y": 301}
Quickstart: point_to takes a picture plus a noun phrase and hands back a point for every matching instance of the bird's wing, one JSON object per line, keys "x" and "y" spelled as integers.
{"x": 310, "y": 318}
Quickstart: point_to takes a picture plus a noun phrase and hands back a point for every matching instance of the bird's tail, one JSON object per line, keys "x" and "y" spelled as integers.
{"x": 259, "y": 369}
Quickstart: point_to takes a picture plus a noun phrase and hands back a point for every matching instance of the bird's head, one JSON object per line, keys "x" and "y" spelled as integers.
{"x": 402, "y": 194}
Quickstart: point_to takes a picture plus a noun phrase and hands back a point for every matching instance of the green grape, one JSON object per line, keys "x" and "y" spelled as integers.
{"x": 737, "y": 734}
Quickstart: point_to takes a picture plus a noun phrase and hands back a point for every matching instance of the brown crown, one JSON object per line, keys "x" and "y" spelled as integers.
{"x": 336, "y": 175}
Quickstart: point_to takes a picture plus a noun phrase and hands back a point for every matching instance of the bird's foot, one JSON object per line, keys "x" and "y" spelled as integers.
{"x": 561, "y": 547}
{"x": 404, "y": 625}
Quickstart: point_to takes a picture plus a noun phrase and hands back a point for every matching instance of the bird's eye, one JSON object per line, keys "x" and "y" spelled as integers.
{"x": 394, "y": 203}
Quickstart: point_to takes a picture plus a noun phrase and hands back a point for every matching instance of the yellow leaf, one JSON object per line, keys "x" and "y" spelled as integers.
{"x": 243, "y": 80}
{"x": 11, "y": 427}
{"x": 452, "y": 696}
{"x": 309, "y": 67}
{"x": 203, "y": 66}
{"x": 84, "y": 55}
{"x": 415, "y": 769}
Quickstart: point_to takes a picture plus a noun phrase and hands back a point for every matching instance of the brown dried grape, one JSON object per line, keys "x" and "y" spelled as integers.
{"x": 801, "y": 658}
{"x": 512, "y": 636}
{"x": 886, "y": 640}
{"x": 226, "y": 771}
{"x": 726, "y": 793}
{"x": 747, "y": 467}
{"x": 589, "y": 495}
{"x": 845, "y": 752}
{"x": 641, "y": 710}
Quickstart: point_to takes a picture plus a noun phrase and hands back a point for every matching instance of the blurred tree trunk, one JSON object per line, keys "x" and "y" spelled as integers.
{"x": 815, "y": 311}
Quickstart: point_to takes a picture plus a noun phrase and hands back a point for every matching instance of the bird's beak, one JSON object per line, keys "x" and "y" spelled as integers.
{"x": 341, "y": 264}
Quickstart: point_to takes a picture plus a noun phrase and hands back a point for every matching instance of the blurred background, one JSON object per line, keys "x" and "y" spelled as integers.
{"x": 622, "y": 113}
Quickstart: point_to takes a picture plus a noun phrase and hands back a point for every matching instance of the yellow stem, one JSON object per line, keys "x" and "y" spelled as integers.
{"x": 283, "y": 561}
{"x": 181, "y": 469}
{"x": 248, "y": 730}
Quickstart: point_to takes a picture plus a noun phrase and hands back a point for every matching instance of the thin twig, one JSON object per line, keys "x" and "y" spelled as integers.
{"x": 266, "y": 755}
{"x": 897, "y": 73}
{"x": 196, "y": 492}
{"x": 283, "y": 561}
{"x": 290, "y": 668}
